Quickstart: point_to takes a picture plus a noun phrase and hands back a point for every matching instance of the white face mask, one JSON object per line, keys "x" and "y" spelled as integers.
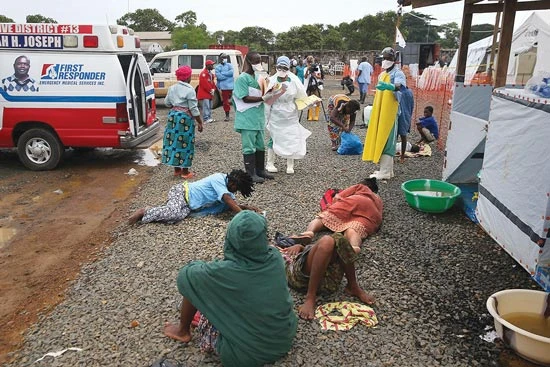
{"x": 282, "y": 74}
{"x": 224, "y": 61}
{"x": 386, "y": 64}
{"x": 257, "y": 67}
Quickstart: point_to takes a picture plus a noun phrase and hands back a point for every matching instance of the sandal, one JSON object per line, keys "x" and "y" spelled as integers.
{"x": 303, "y": 238}
{"x": 189, "y": 175}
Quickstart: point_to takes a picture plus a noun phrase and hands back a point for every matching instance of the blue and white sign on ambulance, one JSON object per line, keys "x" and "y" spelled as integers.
{"x": 79, "y": 86}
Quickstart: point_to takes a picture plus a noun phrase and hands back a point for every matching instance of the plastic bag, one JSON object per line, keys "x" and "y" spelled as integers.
{"x": 350, "y": 144}
{"x": 539, "y": 84}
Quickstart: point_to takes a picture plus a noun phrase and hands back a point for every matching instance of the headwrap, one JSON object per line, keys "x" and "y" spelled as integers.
{"x": 245, "y": 295}
{"x": 283, "y": 61}
{"x": 183, "y": 73}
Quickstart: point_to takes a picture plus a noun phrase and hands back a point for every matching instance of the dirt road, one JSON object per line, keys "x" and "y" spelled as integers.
{"x": 51, "y": 223}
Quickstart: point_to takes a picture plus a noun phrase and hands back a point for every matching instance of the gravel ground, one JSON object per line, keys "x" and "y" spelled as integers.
{"x": 431, "y": 274}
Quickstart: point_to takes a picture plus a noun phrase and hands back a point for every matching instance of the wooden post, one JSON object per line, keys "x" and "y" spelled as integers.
{"x": 508, "y": 18}
{"x": 464, "y": 41}
{"x": 496, "y": 30}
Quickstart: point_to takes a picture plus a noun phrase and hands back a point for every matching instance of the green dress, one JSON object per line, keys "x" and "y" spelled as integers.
{"x": 245, "y": 295}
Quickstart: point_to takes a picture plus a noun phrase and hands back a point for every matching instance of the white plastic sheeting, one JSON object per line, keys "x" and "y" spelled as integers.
{"x": 514, "y": 189}
{"x": 534, "y": 32}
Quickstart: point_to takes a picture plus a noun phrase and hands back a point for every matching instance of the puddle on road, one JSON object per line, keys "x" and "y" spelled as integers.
{"x": 6, "y": 234}
{"x": 148, "y": 158}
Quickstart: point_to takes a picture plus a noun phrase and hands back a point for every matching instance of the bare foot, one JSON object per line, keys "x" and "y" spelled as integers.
{"x": 174, "y": 331}
{"x": 361, "y": 294}
{"x": 307, "y": 310}
{"x": 402, "y": 158}
{"x": 138, "y": 214}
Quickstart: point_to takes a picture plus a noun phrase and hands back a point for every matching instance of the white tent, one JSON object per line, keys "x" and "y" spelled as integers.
{"x": 514, "y": 188}
{"x": 529, "y": 53}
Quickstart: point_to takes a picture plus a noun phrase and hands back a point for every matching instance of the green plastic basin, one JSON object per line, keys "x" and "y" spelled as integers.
{"x": 431, "y": 196}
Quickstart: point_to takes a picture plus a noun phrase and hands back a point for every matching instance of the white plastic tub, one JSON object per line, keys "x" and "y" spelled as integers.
{"x": 532, "y": 347}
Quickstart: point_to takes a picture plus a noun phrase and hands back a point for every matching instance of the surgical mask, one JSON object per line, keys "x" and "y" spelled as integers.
{"x": 386, "y": 64}
{"x": 257, "y": 67}
{"x": 224, "y": 61}
{"x": 282, "y": 74}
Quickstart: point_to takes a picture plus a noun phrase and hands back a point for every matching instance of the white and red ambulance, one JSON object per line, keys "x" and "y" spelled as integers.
{"x": 73, "y": 86}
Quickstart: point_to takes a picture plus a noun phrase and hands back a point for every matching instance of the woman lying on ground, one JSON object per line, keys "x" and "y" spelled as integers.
{"x": 247, "y": 314}
{"x": 211, "y": 195}
{"x": 356, "y": 212}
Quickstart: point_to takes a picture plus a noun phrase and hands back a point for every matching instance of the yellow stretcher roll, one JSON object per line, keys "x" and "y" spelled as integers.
{"x": 382, "y": 119}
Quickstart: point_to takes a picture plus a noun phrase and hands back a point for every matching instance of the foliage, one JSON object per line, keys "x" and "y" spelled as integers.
{"x": 257, "y": 38}
{"x": 306, "y": 37}
{"x": 5, "y": 19}
{"x": 187, "y": 18}
{"x": 38, "y": 18}
{"x": 418, "y": 28}
{"x": 481, "y": 31}
{"x": 193, "y": 36}
{"x": 146, "y": 20}
{"x": 451, "y": 33}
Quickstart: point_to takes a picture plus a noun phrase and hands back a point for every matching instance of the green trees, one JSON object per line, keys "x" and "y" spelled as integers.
{"x": 38, "y": 18}
{"x": 5, "y": 19}
{"x": 146, "y": 20}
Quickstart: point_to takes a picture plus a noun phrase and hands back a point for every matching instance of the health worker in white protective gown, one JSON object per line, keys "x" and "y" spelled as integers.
{"x": 287, "y": 135}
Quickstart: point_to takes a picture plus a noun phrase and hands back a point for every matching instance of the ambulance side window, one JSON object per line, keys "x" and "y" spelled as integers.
{"x": 240, "y": 62}
{"x": 213, "y": 58}
{"x": 147, "y": 79}
{"x": 161, "y": 66}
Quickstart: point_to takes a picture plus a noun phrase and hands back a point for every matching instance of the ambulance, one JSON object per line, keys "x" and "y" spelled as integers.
{"x": 164, "y": 65}
{"x": 73, "y": 86}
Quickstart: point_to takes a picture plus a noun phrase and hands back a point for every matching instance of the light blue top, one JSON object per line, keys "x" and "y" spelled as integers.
{"x": 224, "y": 76}
{"x": 206, "y": 195}
{"x": 397, "y": 76}
{"x": 182, "y": 94}
{"x": 366, "y": 70}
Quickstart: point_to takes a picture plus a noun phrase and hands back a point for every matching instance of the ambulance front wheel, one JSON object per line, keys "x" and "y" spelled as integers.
{"x": 39, "y": 149}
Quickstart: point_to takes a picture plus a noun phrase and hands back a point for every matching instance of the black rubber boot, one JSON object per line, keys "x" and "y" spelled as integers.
{"x": 260, "y": 165}
{"x": 250, "y": 167}
{"x": 362, "y": 98}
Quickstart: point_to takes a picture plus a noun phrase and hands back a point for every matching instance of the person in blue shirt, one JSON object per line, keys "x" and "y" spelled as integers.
{"x": 226, "y": 82}
{"x": 300, "y": 69}
{"x": 427, "y": 127}
{"x": 211, "y": 195}
{"x": 363, "y": 78}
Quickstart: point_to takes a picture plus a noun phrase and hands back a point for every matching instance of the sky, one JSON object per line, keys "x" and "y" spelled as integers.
{"x": 234, "y": 15}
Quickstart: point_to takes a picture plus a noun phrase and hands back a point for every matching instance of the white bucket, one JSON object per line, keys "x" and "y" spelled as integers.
{"x": 530, "y": 346}
{"x": 366, "y": 115}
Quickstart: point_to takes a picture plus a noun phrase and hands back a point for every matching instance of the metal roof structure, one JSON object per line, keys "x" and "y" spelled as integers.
{"x": 506, "y": 8}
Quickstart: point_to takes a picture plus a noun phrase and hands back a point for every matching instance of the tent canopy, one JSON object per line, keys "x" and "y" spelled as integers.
{"x": 534, "y": 33}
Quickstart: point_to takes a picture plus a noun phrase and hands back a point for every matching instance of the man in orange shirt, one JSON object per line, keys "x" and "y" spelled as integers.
{"x": 206, "y": 90}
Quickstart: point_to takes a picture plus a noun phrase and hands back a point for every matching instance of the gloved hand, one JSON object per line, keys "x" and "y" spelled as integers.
{"x": 267, "y": 96}
{"x": 385, "y": 86}
{"x": 212, "y": 91}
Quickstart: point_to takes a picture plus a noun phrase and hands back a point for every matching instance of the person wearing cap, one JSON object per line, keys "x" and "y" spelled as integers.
{"x": 225, "y": 82}
{"x": 206, "y": 90}
{"x": 287, "y": 136}
{"x": 383, "y": 124}
{"x": 178, "y": 145}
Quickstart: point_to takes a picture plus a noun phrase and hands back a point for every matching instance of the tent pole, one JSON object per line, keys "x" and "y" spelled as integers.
{"x": 464, "y": 41}
{"x": 496, "y": 30}
{"x": 508, "y": 18}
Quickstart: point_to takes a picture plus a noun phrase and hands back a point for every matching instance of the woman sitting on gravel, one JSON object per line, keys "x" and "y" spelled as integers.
{"x": 247, "y": 314}
{"x": 211, "y": 195}
{"x": 356, "y": 212}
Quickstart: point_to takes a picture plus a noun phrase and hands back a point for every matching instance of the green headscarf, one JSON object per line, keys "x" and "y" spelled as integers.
{"x": 245, "y": 295}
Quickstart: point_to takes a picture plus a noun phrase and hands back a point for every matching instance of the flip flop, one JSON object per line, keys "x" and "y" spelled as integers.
{"x": 303, "y": 238}
{"x": 283, "y": 241}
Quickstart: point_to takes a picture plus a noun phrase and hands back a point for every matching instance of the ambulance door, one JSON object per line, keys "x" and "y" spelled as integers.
{"x": 134, "y": 96}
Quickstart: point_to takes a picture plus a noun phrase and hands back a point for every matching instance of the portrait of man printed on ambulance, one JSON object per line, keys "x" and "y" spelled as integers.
{"x": 20, "y": 81}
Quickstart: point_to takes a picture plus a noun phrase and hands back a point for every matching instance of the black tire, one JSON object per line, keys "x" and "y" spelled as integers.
{"x": 39, "y": 149}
